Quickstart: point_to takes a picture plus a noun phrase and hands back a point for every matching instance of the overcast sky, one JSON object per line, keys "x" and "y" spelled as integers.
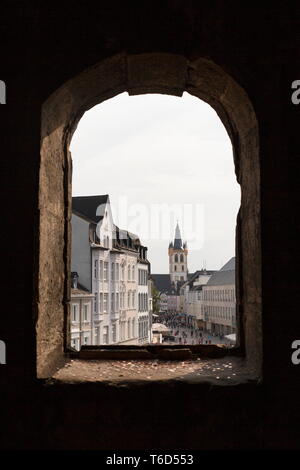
{"x": 161, "y": 158}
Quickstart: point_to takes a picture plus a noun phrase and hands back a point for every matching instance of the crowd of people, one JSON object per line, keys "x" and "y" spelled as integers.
{"x": 185, "y": 330}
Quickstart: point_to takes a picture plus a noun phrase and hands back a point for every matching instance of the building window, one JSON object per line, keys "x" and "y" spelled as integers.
{"x": 96, "y": 302}
{"x": 133, "y": 274}
{"x": 101, "y": 302}
{"x": 176, "y": 259}
{"x": 105, "y": 303}
{"x": 96, "y": 269}
{"x": 114, "y": 333}
{"x": 128, "y": 274}
{"x": 105, "y": 271}
{"x": 101, "y": 270}
{"x": 75, "y": 312}
{"x": 96, "y": 335}
{"x": 105, "y": 335}
{"x": 122, "y": 326}
{"x": 128, "y": 328}
{"x": 85, "y": 312}
{"x": 112, "y": 303}
{"x": 112, "y": 271}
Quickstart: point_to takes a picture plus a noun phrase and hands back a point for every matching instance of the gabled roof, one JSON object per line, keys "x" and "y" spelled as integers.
{"x": 226, "y": 275}
{"x": 162, "y": 282}
{"x": 230, "y": 265}
{"x": 164, "y": 285}
{"x": 88, "y": 206}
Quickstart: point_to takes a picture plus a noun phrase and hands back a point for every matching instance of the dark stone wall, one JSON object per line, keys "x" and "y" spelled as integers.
{"x": 43, "y": 45}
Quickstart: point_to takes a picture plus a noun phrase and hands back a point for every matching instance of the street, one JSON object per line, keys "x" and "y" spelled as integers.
{"x": 188, "y": 334}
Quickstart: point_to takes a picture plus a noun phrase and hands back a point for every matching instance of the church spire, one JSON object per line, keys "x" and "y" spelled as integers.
{"x": 178, "y": 253}
{"x": 177, "y": 239}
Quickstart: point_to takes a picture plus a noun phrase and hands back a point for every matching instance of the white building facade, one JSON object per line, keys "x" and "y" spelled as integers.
{"x": 108, "y": 262}
{"x": 144, "y": 299}
{"x": 81, "y": 315}
{"x": 219, "y": 301}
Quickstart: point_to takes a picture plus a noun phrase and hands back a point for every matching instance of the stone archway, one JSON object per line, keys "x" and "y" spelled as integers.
{"x": 137, "y": 74}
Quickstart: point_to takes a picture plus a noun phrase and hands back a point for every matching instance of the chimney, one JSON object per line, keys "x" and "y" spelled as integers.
{"x": 74, "y": 279}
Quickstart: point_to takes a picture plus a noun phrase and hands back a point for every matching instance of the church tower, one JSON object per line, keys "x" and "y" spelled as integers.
{"x": 178, "y": 258}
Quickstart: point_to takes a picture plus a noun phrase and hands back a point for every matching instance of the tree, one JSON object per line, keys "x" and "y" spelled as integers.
{"x": 155, "y": 299}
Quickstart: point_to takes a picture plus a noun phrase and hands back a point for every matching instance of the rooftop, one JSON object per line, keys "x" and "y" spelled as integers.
{"x": 92, "y": 207}
{"x": 226, "y": 275}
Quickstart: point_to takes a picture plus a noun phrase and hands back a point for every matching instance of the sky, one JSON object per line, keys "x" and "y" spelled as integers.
{"x": 161, "y": 159}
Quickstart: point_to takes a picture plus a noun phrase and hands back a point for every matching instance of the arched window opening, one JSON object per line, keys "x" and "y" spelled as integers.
{"x": 172, "y": 75}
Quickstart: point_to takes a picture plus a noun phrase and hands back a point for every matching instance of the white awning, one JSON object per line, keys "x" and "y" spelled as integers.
{"x": 159, "y": 327}
{"x": 231, "y": 337}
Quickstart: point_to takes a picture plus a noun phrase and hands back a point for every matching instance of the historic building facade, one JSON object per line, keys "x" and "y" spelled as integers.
{"x": 81, "y": 314}
{"x": 191, "y": 297}
{"x": 108, "y": 261}
{"x": 219, "y": 303}
{"x": 144, "y": 304}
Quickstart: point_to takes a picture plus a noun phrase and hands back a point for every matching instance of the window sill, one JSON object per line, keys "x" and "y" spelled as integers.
{"x": 220, "y": 372}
